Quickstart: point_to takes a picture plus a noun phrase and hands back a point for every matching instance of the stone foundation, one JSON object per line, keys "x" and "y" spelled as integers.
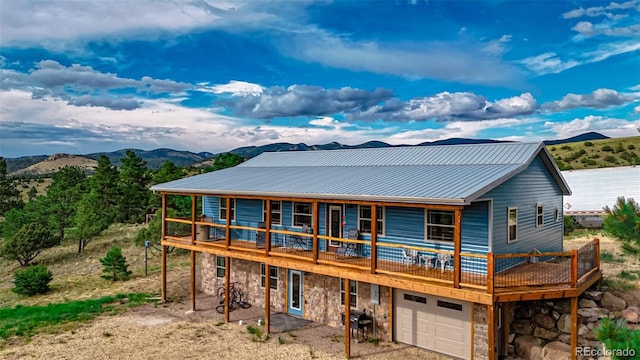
{"x": 480, "y": 332}
{"x": 321, "y": 294}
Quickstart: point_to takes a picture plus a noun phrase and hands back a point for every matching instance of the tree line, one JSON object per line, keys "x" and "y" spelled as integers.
{"x": 80, "y": 207}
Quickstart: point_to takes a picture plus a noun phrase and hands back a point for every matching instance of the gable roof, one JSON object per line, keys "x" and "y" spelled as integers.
{"x": 443, "y": 174}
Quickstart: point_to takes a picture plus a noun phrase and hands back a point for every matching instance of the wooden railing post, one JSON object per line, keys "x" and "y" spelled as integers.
{"x": 347, "y": 318}
{"x": 574, "y": 268}
{"x": 596, "y": 250}
{"x": 267, "y": 226}
{"x": 164, "y": 249}
{"x": 316, "y": 224}
{"x": 193, "y": 219}
{"x": 227, "y": 229}
{"x": 490, "y": 272}
{"x": 374, "y": 238}
{"x": 457, "y": 247}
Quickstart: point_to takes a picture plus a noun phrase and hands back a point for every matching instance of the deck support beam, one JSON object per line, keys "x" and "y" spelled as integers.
{"x": 374, "y": 238}
{"x": 193, "y": 280}
{"x": 347, "y": 317}
{"x": 457, "y": 248}
{"x": 164, "y": 249}
{"x": 491, "y": 336}
{"x": 227, "y": 270}
{"x": 267, "y": 298}
{"x": 506, "y": 321}
{"x": 574, "y": 328}
{"x": 315, "y": 227}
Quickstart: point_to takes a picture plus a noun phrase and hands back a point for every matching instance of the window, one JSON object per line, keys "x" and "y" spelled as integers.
{"x": 440, "y": 225}
{"x": 273, "y": 276}
{"x": 223, "y": 209}
{"x": 415, "y": 298}
{"x": 556, "y": 215}
{"x": 539, "y": 215}
{"x": 353, "y": 293}
{"x": 512, "y": 225}
{"x": 449, "y": 305}
{"x": 302, "y": 214}
{"x": 364, "y": 219}
{"x": 220, "y": 266}
{"x": 276, "y": 212}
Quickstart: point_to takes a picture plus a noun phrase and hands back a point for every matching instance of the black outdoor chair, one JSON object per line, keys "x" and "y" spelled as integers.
{"x": 261, "y": 236}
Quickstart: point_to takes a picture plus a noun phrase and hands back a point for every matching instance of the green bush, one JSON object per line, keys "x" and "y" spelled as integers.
{"x": 610, "y": 159}
{"x": 631, "y": 147}
{"x": 607, "y": 148}
{"x": 115, "y": 265}
{"x": 588, "y": 143}
{"x": 32, "y": 280}
{"x": 617, "y": 337}
{"x": 569, "y": 224}
{"x": 565, "y": 147}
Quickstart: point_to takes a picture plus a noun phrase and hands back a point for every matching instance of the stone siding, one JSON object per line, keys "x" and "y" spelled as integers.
{"x": 480, "y": 332}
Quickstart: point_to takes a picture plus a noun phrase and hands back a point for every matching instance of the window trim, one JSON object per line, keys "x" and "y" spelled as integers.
{"x": 233, "y": 209}
{"x": 353, "y": 295}
{"x": 427, "y": 224}
{"x": 221, "y": 268}
{"x": 509, "y": 224}
{"x": 273, "y": 282}
{"x": 294, "y": 213}
{"x": 264, "y": 212}
{"x": 539, "y": 215}
{"x": 557, "y": 214}
{"x": 380, "y": 221}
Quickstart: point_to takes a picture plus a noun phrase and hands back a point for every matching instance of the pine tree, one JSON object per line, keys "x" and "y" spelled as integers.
{"x": 115, "y": 265}
{"x": 10, "y": 197}
{"x": 90, "y": 219}
{"x": 104, "y": 184}
{"x": 63, "y": 194}
{"x": 133, "y": 188}
{"x": 623, "y": 222}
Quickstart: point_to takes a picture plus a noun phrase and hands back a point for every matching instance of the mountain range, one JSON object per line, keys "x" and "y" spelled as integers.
{"x": 155, "y": 158}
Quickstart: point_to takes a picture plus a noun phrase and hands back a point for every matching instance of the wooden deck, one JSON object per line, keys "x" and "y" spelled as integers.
{"x": 528, "y": 280}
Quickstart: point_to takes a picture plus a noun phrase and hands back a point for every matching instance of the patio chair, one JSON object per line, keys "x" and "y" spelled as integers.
{"x": 409, "y": 256}
{"x": 261, "y": 237}
{"x": 445, "y": 260}
{"x": 349, "y": 249}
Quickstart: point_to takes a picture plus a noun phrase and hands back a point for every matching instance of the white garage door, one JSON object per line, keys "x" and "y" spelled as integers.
{"x": 434, "y": 323}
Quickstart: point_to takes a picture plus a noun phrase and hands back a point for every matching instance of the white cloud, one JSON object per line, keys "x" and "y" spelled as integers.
{"x": 607, "y": 11}
{"x": 235, "y": 88}
{"x": 637, "y": 109}
{"x": 548, "y": 63}
{"x": 607, "y": 126}
{"x": 598, "y": 99}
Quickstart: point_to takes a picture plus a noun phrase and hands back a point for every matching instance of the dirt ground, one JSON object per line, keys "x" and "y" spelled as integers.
{"x": 171, "y": 330}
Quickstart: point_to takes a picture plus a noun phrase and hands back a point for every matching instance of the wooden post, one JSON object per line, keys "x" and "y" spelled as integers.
{"x": 491, "y": 336}
{"x": 457, "y": 247}
{"x": 193, "y": 280}
{"x": 227, "y": 229}
{"x": 390, "y": 314}
{"x": 597, "y": 252}
{"x": 267, "y": 297}
{"x": 490, "y": 272}
{"x": 574, "y": 328}
{"x": 193, "y": 219}
{"x": 316, "y": 224}
{"x": 347, "y": 317}
{"x": 227, "y": 270}
{"x": 164, "y": 248}
{"x": 374, "y": 238}
{"x": 267, "y": 225}
{"x": 574, "y": 268}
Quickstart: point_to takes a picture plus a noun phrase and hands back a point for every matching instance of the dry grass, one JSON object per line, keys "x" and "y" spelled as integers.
{"x": 595, "y": 156}
{"x": 77, "y": 276}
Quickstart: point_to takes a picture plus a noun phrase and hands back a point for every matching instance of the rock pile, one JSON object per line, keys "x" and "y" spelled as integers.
{"x": 542, "y": 329}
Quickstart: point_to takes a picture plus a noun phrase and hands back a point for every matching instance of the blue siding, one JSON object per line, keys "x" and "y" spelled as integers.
{"x": 475, "y": 227}
{"x": 533, "y": 185}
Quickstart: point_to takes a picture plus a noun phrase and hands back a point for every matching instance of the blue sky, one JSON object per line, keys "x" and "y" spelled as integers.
{"x": 205, "y": 75}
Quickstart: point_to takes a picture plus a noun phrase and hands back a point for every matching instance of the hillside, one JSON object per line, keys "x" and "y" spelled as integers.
{"x": 56, "y": 162}
{"x": 597, "y": 153}
{"x": 155, "y": 158}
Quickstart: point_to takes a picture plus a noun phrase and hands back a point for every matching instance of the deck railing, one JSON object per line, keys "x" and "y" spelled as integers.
{"x": 493, "y": 272}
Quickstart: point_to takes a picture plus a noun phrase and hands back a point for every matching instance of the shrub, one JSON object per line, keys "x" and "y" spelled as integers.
{"x": 29, "y": 241}
{"x": 115, "y": 265}
{"x": 569, "y": 224}
{"x": 610, "y": 159}
{"x": 565, "y": 147}
{"x": 631, "y": 147}
{"x": 623, "y": 222}
{"x": 32, "y": 280}
{"x": 616, "y": 335}
{"x": 607, "y": 148}
{"x": 588, "y": 143}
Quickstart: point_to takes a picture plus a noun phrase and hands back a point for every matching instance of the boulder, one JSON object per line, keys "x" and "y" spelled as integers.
{"x": 522, "y": 327}
{"x": 587, "y": 303}
{"x": 546, "y": 334}
{"x": 583, "y": 329}
{"x": 593, "y": 295}
{"x": 630, "y": 315}
{"x": 556, "y": 350}
{"x": 612, "y": 302}
{"x": 564, "y": 323}
{"x": 589, "y": 335}
{"x": 544, "y": 321}
{"x": 596, "y": 313}
{"x": 565, "y": 338}
{"x": 563, "y": 306}
{"x": 528, "y": 346}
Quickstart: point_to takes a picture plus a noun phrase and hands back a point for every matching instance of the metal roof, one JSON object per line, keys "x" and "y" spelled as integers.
{"x": 443, "y": 174}
{"x": 593, "y": 189}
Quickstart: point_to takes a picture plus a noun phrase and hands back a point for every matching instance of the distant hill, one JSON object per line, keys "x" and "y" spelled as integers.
{"x": 56, "y": 162}
{"x": 155, "y": 158}
{"x": 591, "y": 154}
{"x": 583, "y": 137}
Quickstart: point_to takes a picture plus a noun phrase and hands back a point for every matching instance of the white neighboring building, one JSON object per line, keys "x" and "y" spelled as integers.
{"x": 593, "y": 189}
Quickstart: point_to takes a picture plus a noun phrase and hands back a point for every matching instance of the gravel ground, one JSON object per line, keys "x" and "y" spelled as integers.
{"x": 171, "y": 331}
